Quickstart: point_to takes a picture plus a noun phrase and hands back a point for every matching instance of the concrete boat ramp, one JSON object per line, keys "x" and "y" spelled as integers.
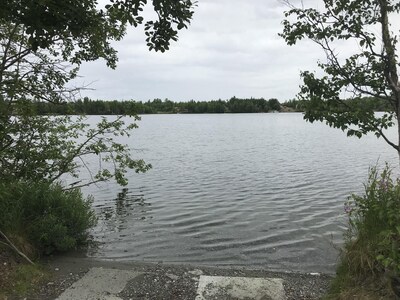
{"x": 87, "y": 279}
{"x": 110, "y": 284}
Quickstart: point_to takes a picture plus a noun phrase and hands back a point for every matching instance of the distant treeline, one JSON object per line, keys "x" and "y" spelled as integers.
{"x": 157, "y": 106}
{"x": 370, "y": 103}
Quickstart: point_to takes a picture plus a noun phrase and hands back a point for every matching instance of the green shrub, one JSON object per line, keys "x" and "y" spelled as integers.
{"x": 50, "y": 219}
{"x": 371, "y": 255}
{"x": 374, "y": 220}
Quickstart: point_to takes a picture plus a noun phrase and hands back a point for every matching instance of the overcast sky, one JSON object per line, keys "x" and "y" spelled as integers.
{"x": 232, "y": 48}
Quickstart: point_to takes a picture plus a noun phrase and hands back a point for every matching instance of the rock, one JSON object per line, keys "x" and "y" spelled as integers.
{"x": 196, "y": 272}
{"x": 172, "y": 276}
{"x": 227, "y": 287}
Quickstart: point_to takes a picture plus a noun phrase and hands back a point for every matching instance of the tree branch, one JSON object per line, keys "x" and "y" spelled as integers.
{"x": 15, "y": 248}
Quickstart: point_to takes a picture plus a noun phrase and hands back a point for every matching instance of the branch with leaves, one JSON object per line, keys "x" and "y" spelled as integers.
{"x": 370, "y": 71}
{"x": 49, "y": 148}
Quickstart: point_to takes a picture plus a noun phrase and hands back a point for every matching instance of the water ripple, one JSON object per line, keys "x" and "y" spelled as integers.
{"x": 261, "y": 190}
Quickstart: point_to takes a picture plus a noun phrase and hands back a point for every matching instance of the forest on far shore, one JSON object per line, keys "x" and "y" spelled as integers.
{"x": 157, "y": 106}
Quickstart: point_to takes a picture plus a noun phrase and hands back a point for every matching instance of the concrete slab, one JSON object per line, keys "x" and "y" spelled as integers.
{"x": 240, "y": 288}
{"x": 99, "y": 284}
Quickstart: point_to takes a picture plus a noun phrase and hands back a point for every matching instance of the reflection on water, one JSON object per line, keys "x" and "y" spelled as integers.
{"x": 118, "y": 214}
{"x": 260, "y": 190}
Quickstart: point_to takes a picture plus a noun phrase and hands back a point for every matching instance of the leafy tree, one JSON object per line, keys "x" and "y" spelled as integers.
{"x": 372, "y": 69}
{"x": 42, "y": 44}
{"x": 38, "y": 148}
{"x": 274, "y": 104}
{"x": 87, "y": 29}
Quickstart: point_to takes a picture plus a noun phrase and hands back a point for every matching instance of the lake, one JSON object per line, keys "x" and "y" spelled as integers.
{"x": 251, "y": 190}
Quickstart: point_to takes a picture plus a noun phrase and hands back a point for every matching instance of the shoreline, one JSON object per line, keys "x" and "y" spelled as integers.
{"x": 170, "y": 281}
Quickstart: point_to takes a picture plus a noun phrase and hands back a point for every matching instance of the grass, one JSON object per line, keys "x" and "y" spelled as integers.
{"x": 346, "y": 286}
{"x": 27, "y": 277}
{"x": 17, "y": 278}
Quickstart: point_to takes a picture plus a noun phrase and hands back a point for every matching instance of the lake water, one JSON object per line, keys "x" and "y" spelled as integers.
{"x": 251, "y": 190}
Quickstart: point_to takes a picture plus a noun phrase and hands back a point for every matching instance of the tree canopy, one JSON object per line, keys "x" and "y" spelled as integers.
{"x": 166, "y": 106}
{"x": 89, "y": 28}
{"x": 42, "y": 45}
{"x": 370, "y": 71}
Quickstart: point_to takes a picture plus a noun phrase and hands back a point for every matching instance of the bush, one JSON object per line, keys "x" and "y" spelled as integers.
{"x": 371, "y": 256}
{"x": 45, "y": 216}
{"x": 375, "y": 221}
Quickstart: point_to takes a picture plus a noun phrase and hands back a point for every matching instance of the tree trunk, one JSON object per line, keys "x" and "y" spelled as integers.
{"x": 390, "y": 64}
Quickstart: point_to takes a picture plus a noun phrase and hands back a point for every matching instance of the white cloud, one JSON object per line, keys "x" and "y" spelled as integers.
{"x": 231, "y": 48}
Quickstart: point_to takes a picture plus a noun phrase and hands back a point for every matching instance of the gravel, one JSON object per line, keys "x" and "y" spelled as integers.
{"x": 174, "y": 282}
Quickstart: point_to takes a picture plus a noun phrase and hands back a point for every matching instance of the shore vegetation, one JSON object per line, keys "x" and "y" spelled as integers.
{"x": 370, "y": 259}
{"x": 158, "y": 106}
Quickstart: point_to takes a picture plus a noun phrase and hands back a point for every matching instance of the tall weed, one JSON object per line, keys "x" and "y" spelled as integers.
{"x": 370, "y": 259}
{"x": 374, "y": 224}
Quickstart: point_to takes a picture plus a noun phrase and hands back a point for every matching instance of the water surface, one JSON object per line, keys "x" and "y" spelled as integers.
{"x": 252, "y": 190}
